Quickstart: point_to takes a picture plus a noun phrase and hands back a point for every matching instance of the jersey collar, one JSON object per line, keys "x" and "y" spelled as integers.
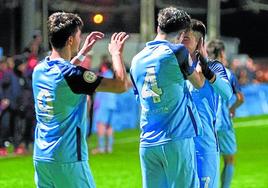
{"x": 157, "y": 42}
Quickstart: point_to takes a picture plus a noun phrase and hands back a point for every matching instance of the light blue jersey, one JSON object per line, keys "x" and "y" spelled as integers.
{"x": 224, "y": 121}
{"x": 226, "y": 132}
{"x": 206, "y": 100}
{"x": 169, "y": 120}
{"x": 61, "y": 110}
{"x": 167, "y": 112}
{"x": 105, "y": 99}
{"x": 105, "y": 104}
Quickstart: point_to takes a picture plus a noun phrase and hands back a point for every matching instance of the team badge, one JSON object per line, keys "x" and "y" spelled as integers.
{"x": 89, "y": 76}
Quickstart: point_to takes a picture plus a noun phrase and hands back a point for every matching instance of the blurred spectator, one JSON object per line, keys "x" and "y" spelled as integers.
{"x": 35, "y": 48}
{"x": 236, "y": 63}
{"x": 243, "y": 77}
{"x": 251, "y": 70}
{"x": 24, "y": 116}
{"x": 260, "y": 76}
{"x": 10, "y": 63}
{"x": 7, "y": 104}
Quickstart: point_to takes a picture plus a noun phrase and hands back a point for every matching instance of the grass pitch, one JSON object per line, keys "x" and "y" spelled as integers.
{"x": 121, "y": 169}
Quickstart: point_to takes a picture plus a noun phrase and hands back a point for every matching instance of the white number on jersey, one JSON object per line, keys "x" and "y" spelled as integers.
{"x": 206, "y": 181}
{"x": 44, "y": 104}
{"x": 150, "y": 88}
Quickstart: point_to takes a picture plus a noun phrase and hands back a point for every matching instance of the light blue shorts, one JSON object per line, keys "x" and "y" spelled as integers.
{"x": 169, "y": 165}
{"x": 105, "y": 116}
{"x": 227, "y": 142}
{"x": 208, "y": 167}
{"x": 59, "y": 175}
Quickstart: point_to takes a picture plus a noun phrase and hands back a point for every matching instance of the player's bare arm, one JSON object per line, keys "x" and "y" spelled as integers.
{"x": 91, "y": 39}
{"x": 238, "y": 102}
{"x": 119, "y": 83}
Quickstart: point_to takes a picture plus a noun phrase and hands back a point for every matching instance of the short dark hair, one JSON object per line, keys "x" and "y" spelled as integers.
{"x": 214, "y": 48}
{"x": 61, "y": 26}
{"x": 172, "y": 19}
{"x": 198, "y": 26}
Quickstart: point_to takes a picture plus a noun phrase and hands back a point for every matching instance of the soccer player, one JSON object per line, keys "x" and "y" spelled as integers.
{"x": 206, "y": 100}
{"x": 105, "y": 111}
{"x": 60, "y": 95}
{"x": 169, "y": 119}
{"x": 225, "y": 130}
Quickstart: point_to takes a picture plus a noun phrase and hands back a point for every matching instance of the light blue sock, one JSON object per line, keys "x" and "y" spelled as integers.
{"x": 101, "y": 141}
{"x": 227, "y": 176}
{"x": 110, "y": 143}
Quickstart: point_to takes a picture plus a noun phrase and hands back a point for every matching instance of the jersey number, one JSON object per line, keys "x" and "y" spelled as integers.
{"x": 150, "y": 88}
{"x": 206, "y": 181}
{"x": 44, "y": 104}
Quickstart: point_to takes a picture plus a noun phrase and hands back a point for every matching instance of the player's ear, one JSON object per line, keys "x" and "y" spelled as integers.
{"x": 70, "y": 40}
{"x": 199, "y": 43}
{"x": 222, "y": 54}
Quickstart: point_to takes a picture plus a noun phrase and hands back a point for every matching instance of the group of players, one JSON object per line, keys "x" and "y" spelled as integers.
{"x": 182, "y": 87}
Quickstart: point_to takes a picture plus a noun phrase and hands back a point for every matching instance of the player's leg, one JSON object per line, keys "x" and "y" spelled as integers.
{"x": 72, "y": 175}
{"x": 110, "y": 138}
{"x": 102, "y": 119}
{"x": 42, "y": 175}
{"x": 228, "y": 171}
{"x": 153, "y": 174}
{"x": 180, "y": 164}
{"x": 101, "y": 136}
{"x": 208, "y": 169}
{"x": 228, "y": 148}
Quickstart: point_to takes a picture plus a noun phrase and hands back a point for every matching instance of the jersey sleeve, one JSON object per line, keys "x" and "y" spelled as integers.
{"x": 234, "y": 83}
{"x": 184, "y": 59}
{"x": 80, "y": 80}
{"x": 221, "y": 85}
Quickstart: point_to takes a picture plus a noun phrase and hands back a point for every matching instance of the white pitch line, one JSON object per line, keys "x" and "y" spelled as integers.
{"x": 251, "y": 123}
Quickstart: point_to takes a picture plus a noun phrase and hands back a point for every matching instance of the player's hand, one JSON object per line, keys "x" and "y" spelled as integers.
{"x": 117, "y": 43}
{"x": 201, "y": 47}
{"x": 91, "y": 39}
{"x": 209, "y": 74}
{"x": 232, "y": 112}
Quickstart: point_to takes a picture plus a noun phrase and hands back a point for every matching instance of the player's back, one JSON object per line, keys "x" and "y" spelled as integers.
{"x": 167, "y": 112}
{"x": 60, "y": 114}
{"x": 224, "y": 120}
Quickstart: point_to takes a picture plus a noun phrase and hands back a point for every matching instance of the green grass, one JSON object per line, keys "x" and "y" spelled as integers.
{"x": 121, "y": 169}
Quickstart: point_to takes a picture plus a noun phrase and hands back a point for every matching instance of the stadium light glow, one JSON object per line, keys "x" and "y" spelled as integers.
{"x": 98, "y": 18}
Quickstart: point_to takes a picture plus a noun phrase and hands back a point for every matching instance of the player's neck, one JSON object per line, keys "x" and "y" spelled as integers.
{"x": 62, "y": 53}
{"x": 160, "y": 36}
{"x": 169, "y": 37}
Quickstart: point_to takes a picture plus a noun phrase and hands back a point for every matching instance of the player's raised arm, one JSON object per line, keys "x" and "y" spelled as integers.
{"x": 91, "y": 39}
{"x": 188, "y": 68}
{"x": 119, "y": 83}
{"x": 216, "y": 74}
{"x": 194, "y": 76}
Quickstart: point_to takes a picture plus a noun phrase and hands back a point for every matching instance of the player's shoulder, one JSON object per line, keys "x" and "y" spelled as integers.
{"x": 177, "y": 48}
{"x": 216, "y": 65}
{"x": 215, "y": 62}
